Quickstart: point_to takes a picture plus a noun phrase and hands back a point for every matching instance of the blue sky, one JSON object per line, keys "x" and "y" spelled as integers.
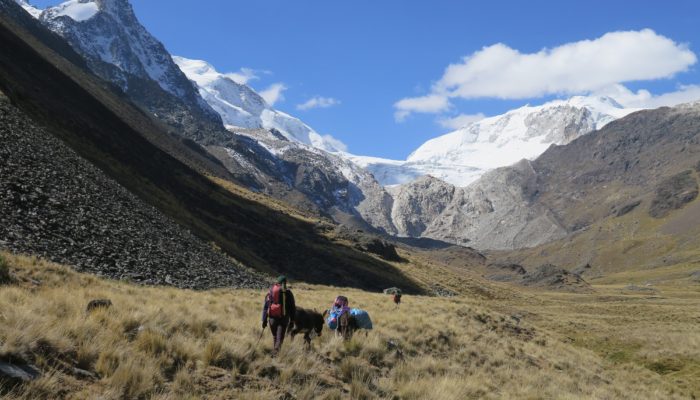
{"x": 369, "y": 55}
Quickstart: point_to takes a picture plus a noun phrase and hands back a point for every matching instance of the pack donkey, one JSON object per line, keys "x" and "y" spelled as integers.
{"x": 307, "y": 321}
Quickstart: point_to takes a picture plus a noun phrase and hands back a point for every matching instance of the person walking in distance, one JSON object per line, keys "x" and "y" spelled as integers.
{"x": 279, "y": 309}
{"x": 397, "y": 299}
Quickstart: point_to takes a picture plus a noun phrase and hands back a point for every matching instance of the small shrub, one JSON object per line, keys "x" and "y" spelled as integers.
{"x": 107, "y": 363}
{"x": 133, "y": 380}
{"x": 5, "y": 276}
{"x": 86, "y": 358}
{"x": 152, "y": 342}
{"x": 183, "y": 383}
{"x": 219, "y": 355}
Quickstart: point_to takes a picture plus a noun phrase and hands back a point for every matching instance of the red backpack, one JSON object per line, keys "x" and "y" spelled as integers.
{"x": 277, "y": 300}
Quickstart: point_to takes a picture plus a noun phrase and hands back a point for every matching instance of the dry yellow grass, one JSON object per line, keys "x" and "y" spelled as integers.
{"x": 165, "y": 343}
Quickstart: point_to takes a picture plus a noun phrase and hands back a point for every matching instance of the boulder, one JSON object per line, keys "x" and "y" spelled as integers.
{"x": 505, "y": 272}
{"x": 98, "y": 303}
{"x": 551, "y": 277}
{"x": 13, "y": 373}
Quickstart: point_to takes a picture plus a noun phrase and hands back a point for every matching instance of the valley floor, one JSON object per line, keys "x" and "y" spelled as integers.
{"x": 163, "y": 343}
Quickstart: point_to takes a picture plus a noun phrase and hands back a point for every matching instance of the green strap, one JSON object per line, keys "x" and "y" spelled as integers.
{"x": 284, "y": 301}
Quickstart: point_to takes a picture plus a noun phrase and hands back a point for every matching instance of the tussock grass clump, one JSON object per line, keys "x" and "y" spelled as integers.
{"x": 165, "y": 343}
{"x": 5, "y": 276}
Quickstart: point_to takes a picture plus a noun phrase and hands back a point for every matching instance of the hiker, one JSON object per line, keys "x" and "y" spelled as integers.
{"x": 397, "y": 299}
{"x": 279, "y": 308}
{"x": 395, "y": 293}
{"x": 338, "y": 317}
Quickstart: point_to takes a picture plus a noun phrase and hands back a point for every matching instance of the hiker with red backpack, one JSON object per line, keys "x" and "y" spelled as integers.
{"x": 279, "y": 309}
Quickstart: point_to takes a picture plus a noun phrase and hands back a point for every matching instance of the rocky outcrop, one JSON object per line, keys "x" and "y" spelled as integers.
{"x": 57, "y": 205}
{"x": 417, "y": 205}
{"x": 505, "y": 272}
{"x": 673, "y": 193}
{"x": 551, "y": 277}
{"x": 328, "y": 180}
{"x": 496, "y": 212}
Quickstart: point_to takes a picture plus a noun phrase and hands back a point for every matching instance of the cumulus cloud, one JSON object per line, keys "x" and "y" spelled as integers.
{"x": 274, "y": 93}
{"x": 460, "y": 121}
{"x": 318, "y": 102}
{"x": 645, "y": 99}
{"x": 243, "y": 76}
{"x": 586, "y": 66}
{"x": 424, "y": 104}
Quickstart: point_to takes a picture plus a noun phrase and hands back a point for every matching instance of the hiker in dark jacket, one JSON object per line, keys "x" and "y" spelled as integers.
{"x": 279, "y": 308}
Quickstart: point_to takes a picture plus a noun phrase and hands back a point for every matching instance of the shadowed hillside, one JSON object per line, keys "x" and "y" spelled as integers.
{"x": 119, "y": 139}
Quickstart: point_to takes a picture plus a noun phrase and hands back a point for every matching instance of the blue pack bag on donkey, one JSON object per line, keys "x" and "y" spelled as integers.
{"x": 362, "y": 318}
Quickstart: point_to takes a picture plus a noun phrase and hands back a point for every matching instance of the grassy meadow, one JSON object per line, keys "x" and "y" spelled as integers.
{"x": 166, "y": 343}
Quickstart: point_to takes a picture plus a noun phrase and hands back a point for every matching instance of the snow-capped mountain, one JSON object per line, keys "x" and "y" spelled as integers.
{"x": 462, "y": 156}
{"x": 262, "y": 147}
{"x": 240, "y": 106}
{"x": 108, "y": 30}
{"x": 119, "y": 49}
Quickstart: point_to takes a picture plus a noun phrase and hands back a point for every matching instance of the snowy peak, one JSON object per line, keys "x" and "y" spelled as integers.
{"x": 462, "y": 156}
{"x": 241, "y": 106}
{"x": 108, "y": 31}
{"x": 35, "y": 12}
{"x": 237, "y": 104}
{"x": 199, "y": 71}
{"x": 77, "y": 10}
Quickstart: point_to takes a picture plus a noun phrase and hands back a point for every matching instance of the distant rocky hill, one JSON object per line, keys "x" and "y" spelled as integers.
{"x": 605, "y": 173}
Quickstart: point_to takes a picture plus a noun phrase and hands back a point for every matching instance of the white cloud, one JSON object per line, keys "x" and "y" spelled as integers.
{"x": 318, "y": 102}
{"x": 274, "y": 93}
{"x": 644, "y": 99}
{"x": 425, "y": 104}
{"x": 243, "y": 76}
{"x": 460, "y": 121}
{"x": 335, "y": 143}
{"x": 499, "y": 71}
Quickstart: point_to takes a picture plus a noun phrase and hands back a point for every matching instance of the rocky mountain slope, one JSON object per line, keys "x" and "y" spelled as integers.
{"x": 349, "y": 193}
{"x": 57, "y": 205}
{"x": 164, "y": 171}
{"x": 496, "y": 212}
{"x": 119, "y": 49}
{"x": 645, "y": 158}
{"x": 462, "y": 156}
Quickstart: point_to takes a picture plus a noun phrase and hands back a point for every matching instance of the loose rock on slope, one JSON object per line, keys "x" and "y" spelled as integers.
{"x": 57, "y": 205}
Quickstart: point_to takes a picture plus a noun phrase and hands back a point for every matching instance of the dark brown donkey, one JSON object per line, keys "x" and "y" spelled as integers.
{"x": 307, "y": 321}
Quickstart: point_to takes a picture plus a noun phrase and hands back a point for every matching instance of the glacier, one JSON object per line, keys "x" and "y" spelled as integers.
{"x": 242, "y": 107}
{"x": 462, "y": 156}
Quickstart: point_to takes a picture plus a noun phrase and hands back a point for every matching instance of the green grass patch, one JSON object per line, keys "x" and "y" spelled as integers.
{"x": 666, "y": 366}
